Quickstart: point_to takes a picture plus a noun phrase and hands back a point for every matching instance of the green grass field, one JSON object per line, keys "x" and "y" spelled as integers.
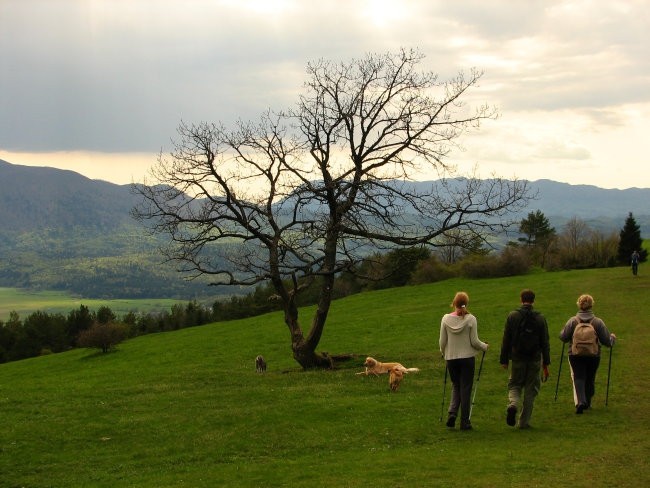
{"x": 187, "y": 408}
{"x": 25, "y": 302}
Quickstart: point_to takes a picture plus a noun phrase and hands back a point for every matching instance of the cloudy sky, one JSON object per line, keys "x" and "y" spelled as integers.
{"x": 100, "y": 86}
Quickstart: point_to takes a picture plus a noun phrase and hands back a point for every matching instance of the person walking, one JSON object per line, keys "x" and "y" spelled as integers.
{"x": 635, "y": 262}
{"x": 459, "y": 344}
{"x": 584, "y": 353}
{"x": 526, "y": 345}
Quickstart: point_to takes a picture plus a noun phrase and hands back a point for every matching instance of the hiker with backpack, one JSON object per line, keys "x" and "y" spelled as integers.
{"x": 459, "y": 345}
{"x": 585, "y": 332}
{"x": 526, "y": 346}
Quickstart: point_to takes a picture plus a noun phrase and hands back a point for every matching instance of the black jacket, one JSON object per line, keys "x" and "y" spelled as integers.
{"x": 512, "y": 324}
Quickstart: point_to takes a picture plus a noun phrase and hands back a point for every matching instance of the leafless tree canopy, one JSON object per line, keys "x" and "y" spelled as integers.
{"x": 307, "y": 192}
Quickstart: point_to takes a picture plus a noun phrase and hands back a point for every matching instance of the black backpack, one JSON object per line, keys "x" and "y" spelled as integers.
{"x": 526, "y": 341}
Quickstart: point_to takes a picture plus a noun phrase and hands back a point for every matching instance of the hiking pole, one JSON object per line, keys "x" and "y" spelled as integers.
{"x": 609, "y": 370}
{"x": 480, "y": 368}
{"x": 559, "y": 370}
{"x": 444, "y": 390}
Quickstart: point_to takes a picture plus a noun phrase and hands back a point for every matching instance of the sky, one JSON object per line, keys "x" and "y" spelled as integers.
{"x": 100, "y": 86}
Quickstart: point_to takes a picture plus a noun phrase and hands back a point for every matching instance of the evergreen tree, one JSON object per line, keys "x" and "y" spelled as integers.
{"x": 630, "y": 241}
{"x": 536, "y": 229}
{"x": 79, "y": 320}
{"x": 539, "y": 235}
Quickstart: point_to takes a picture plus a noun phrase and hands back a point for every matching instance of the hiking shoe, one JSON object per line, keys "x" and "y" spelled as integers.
{"x": 580, "y": 408}
{"x": 466, "y": 426}
{"x": 451, "y": 421}
{"x": 510, "y": 417}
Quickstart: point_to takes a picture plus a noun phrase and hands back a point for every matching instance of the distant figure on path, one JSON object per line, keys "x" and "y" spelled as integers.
{"x": 635, "y": 262}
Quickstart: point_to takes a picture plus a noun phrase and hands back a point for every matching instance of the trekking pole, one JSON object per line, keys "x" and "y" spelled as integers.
{"x": 480, "y": 368}
{"x": 444, "y": 390}
{"x": 609, "y": 370}
{"x": 559, "y": 370}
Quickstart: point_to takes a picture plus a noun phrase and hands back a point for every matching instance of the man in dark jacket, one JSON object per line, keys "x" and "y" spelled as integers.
{"x": 526, "y": 344}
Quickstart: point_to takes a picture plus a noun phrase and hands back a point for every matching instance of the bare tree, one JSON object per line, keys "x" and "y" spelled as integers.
{"x": 303, "y": 195}
{"x": 580, "y": 246}
{"x": 602, "y": 248}
{"x": 453, "y": 246}
{"x": 572, "y": 240}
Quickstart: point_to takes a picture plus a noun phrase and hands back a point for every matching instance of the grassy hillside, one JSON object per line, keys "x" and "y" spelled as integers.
{"x": 187, "y": 408}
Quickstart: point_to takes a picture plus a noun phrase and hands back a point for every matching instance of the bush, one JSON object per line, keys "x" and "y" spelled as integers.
{"x": 512, "y": 261}
{"x": 103, "y": 336}
{"x": 429, "y": 271}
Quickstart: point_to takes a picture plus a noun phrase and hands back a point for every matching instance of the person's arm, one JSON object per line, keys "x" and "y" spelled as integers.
{"x": 604, "y": 335}
{"x": 442, "y": 341}
{"x": 473, "y": 336}
{"x": 506, "y": 346}
{"x": 546, "y": 344}
{"x": 567, "y": 331}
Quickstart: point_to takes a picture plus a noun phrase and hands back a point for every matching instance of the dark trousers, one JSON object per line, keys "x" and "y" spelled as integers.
{"x": 461, "y": 373}
{"x": 583, "y": 373}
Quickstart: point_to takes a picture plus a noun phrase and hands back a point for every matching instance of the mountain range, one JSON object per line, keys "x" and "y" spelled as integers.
{"x": 52, "y": 221}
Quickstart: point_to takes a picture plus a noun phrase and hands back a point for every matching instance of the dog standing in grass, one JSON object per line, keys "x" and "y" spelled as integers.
{"x": 260, "y": 364}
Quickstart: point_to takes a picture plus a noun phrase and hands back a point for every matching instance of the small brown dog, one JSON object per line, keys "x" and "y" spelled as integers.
{"x": 395, "y": 378}
{"x": 376, "y": 368}
{"x": 260, "y": 364}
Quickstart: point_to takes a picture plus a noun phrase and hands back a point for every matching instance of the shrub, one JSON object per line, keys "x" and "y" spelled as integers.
{"x": 103, "y": 336}
{"x": 429, "y": 271}
{"x": 512, "y": 261}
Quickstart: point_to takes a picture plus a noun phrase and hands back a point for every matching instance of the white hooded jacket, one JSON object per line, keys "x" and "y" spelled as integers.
{"x": 459, "y": 337}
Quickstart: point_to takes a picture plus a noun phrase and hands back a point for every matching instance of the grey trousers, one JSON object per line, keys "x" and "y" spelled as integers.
{"x": 524, "y": 379}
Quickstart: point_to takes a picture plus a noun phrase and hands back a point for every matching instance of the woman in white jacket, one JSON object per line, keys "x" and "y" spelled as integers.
{"x": 459, "y": 344}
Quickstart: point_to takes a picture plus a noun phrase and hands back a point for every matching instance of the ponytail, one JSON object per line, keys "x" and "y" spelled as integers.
{"x": 461, "y": 300}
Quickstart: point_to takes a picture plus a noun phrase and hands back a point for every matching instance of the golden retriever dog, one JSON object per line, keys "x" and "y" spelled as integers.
{"x": 376, "y": 368}
{"x": 395, "y": 378}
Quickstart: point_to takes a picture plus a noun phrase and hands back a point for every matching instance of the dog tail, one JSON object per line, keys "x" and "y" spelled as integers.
{"x": 412, "y": 370}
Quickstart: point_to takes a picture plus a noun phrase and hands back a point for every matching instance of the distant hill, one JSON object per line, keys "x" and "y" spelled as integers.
{"x": 590, "y": 201}
{"x": 35, "y": 197}
{"x": 61, "y": 230}
{"x": 41, "y": 197}
{"x": 602, "y": 209}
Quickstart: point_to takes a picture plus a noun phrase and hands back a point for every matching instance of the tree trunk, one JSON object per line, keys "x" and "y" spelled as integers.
{"x": 304, "y": 350}
{"x": 305, "y": 355}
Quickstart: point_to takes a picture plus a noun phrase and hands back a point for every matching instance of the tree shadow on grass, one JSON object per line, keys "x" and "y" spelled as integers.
{"x": 98, "y": 354}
